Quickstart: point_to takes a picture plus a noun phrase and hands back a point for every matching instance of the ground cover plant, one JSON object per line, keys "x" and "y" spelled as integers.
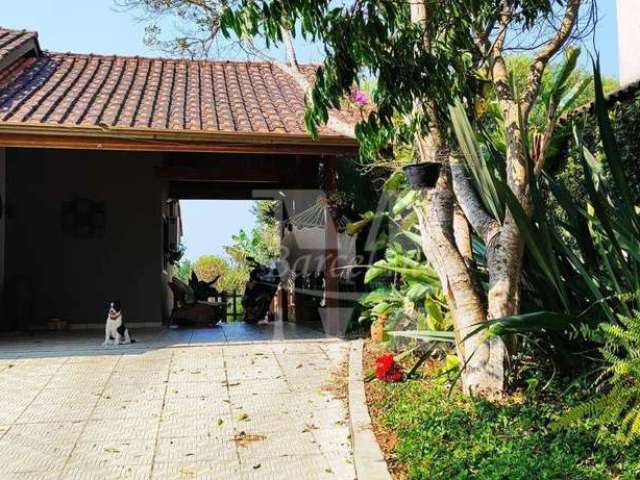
{"x": 430, "y": 431}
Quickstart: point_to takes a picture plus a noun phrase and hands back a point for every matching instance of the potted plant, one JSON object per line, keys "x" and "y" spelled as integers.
{"x": 174, "y": 255}
{"x": 339, "y": 203}
{"x": 422, "y": 175}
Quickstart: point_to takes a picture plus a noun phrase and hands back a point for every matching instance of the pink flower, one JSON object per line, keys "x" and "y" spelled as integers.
{"x": 360, "y": 97}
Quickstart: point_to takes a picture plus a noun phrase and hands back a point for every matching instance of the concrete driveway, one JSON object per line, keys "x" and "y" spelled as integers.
{"x": 202, "y": 411}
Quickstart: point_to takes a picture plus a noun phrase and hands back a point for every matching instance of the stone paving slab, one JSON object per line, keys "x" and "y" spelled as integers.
{"x": 70, "y": 410}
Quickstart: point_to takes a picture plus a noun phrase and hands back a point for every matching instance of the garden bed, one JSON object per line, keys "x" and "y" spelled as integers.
{"x": 426, "y": 432}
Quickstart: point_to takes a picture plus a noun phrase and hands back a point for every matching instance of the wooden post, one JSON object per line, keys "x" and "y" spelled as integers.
{"x": 332, "y": 318}
{"x": 283, "y": 290}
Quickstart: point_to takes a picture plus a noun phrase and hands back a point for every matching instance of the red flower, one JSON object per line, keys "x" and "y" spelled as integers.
{"x": 387, "y": 369}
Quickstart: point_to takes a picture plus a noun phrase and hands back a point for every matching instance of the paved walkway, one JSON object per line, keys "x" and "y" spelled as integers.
{"x": 78, "y": 342}
{"x": 200, "y": 411}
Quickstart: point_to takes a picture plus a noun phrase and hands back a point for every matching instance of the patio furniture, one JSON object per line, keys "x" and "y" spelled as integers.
{"x": 197, "y": 303}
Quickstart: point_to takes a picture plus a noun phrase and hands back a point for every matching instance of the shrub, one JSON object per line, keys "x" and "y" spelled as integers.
{"x": 619, "y": 406}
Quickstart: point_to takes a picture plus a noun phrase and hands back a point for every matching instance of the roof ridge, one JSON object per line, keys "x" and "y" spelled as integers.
{"x": 169, "y": 59}
{"x": 19, "y": 30}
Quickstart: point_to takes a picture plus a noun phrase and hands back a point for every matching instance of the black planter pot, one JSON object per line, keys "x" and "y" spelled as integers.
{"x": 422, "y": 175}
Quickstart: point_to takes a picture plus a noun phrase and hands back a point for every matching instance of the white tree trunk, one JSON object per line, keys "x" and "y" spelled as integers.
{"x": 482, "y": 374}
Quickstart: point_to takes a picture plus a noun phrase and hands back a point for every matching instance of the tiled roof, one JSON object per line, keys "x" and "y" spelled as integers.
{"x": 625, "y": 93}
{"x": 158, "y": 95}
{"x": 13, "y": 40}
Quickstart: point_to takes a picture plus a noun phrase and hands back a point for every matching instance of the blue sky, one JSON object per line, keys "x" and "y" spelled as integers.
{"x": 98, "y": 26}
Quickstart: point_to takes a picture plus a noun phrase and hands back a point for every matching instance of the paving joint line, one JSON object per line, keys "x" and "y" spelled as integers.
{"x": 228, "y": 389}
{"x": 86, "y": 421}
{"x": 40, "y": 391}
{"x": 164, "y": 402}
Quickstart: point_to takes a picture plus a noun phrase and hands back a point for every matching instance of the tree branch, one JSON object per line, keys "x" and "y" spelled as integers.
{"x": 290, "y": 49}
{"x": 483, "y": 224}
{"x": 499, "y": 66}
{"x": 547, "y": 52}
{"x": 339, "y": 126}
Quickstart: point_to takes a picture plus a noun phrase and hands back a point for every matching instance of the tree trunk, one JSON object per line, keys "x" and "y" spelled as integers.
{"x": 446, "y": 243}
{"x": 504, "y": 256}
{"x": 481, "y": 375}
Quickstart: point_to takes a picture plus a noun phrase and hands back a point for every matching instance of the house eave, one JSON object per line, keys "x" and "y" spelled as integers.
{"x": 149, "y": 139}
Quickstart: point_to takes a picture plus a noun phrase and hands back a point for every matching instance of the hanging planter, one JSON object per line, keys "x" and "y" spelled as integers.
{"x": 422, "y": 175}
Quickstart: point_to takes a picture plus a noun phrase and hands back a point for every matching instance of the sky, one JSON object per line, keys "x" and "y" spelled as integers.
{"x": 209, "y": 224}
{"x": 98, "y": 26}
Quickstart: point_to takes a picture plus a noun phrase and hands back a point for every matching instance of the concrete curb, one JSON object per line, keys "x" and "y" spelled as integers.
{"x": 367, "y": 455}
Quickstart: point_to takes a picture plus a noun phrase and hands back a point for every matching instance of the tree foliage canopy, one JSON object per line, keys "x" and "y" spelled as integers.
{"x": 437, "y": 61}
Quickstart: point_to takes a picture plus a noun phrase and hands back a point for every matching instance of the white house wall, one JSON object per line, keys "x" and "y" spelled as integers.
{"x": 629, "y": 40}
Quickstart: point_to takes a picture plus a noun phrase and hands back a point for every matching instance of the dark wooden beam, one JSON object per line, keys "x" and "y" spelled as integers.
{"x": 219, "y": 191}
{"x": 240, "y": 175}
{"x": 105, "y": 142}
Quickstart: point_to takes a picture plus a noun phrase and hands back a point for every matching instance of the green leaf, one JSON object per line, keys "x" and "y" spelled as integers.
{"x": 611, "y": 151}
{"x": 404, "y": 202}
{"x": 526, "y": 323}
{"x": 380, "y": 308}
{"x": 562, "y": 76}
{"x": 372, "y": 273}
{"x": 425, "y": 335}
{"x": 474, "y": 161}
{"x": 531, "y": 236}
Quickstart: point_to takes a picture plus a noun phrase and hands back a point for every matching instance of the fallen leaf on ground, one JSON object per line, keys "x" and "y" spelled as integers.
{"x": 243, "y": 439}
{"x": 244, "y": 417}
{"x": 309, "y": 426}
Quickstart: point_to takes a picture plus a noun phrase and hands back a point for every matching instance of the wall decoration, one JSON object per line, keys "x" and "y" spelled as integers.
{"x": 83, "y": 218}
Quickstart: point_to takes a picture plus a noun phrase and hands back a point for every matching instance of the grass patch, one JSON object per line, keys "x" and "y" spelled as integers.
{"x": 437, "y": 436}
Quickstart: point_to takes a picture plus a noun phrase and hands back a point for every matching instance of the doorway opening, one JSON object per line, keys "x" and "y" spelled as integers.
{"x": 227, "y": 275}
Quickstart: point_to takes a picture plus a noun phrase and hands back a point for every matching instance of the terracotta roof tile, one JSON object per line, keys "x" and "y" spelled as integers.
{"x": 80, "y": 90}
{"x": 11, "y": 40}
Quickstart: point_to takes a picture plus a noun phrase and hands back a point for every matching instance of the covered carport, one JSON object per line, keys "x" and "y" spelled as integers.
{"x": 92, "y": 147}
